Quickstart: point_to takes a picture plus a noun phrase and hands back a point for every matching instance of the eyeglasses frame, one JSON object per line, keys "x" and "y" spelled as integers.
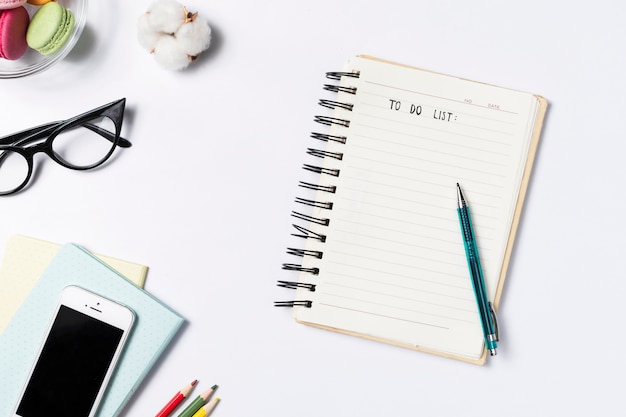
{"x": 17, "y": 142}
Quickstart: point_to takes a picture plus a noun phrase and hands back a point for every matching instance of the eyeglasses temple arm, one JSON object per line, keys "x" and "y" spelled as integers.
{"x": 30, "y": 135}
{"x": 121, "y": 142}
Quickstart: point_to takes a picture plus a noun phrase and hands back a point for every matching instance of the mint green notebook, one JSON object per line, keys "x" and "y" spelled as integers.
{"x": 155, "y": 326}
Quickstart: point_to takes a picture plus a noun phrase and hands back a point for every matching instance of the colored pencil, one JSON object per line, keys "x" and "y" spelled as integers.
{"x": 197, "y": 403}
{"x": 205, "y": 410}
{"x": 176, "y": 400}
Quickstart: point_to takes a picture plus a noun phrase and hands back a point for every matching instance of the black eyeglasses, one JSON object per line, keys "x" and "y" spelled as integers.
{"x": 82, "y": 142}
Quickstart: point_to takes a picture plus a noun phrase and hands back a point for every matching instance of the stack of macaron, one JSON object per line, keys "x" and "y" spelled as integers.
{"x": 46, "y": 32}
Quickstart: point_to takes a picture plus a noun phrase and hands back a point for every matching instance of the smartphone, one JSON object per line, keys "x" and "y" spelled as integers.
{"x": 77, "y": 356}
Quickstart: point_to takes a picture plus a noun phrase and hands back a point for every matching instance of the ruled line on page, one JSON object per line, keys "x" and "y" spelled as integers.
{"x": 405, "y": 310}
{"x": 381, "y": 315}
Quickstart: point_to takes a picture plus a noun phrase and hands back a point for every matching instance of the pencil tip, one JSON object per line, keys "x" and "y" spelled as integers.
{"x": 194, "y": 382}
{"x": 214, "y": 387}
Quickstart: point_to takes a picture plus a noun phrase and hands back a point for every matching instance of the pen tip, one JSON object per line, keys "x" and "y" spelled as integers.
{"x": 493, "y": 352}
{"x": 459, "y": 196}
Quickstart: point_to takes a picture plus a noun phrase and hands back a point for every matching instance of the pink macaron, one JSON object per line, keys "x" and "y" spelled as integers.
{"x": 13, "y": 27}
{"x": 11, "y": 4}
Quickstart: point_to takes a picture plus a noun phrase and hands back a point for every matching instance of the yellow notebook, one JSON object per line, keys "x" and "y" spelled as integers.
{"x": 25, "y": 259}
{"x": 378, "y": 251}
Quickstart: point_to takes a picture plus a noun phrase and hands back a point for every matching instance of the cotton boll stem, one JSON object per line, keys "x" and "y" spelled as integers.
{"x": 189, "y": 17}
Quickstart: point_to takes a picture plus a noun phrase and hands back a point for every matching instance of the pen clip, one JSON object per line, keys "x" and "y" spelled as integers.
{"x": 494, "y": 317}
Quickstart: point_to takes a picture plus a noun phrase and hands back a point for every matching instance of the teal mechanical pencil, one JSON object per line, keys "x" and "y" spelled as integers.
{"x": 485, "y": 308}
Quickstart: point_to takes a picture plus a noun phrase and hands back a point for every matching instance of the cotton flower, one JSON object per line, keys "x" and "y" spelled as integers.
{"x": 169, "y": 54}
{"x": 166, "y": 16}
{"x": 174, "y": 35}
{"x": 146, "y": 35}
{"x": 194, "y": 36}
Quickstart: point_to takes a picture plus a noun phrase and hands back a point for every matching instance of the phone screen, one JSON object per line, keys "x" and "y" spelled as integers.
{"x": 72, "y": 365}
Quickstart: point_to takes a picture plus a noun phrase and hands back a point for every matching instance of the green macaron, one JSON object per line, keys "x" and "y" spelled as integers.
{"x": 50, "y": 28}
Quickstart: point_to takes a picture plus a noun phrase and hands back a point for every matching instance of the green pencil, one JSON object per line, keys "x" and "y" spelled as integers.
{"x": 197, "y": 403}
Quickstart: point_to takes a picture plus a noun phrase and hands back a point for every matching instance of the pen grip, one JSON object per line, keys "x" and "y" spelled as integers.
{"x": 473, "y": 260}
{"x": 466, "y": 226}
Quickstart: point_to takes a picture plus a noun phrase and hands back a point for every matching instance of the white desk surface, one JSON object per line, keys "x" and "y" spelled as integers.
{"x": 204, "y": 198}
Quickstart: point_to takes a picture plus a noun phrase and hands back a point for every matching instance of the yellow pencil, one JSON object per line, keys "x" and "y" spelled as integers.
{"x": 206, "y": 409}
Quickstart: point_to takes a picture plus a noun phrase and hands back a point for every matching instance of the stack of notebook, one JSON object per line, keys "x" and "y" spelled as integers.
{"x": 33, "y": 274}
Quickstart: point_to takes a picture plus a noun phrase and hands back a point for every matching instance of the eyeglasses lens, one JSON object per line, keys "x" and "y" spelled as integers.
{"x": 13, "y": 170}
{"x": 86, "y": 145}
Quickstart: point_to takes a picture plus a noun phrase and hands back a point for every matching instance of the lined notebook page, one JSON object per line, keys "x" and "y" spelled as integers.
{"x": 393, "y": 265}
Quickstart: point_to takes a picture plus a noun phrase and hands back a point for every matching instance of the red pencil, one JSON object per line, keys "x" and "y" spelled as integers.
{"x": 173, "y": 403}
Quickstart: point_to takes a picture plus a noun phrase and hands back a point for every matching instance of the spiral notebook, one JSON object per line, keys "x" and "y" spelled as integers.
{"x": 378, "y": 251}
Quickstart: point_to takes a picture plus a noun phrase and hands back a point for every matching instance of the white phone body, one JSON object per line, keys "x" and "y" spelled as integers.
{"x": 77, "y": 356}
